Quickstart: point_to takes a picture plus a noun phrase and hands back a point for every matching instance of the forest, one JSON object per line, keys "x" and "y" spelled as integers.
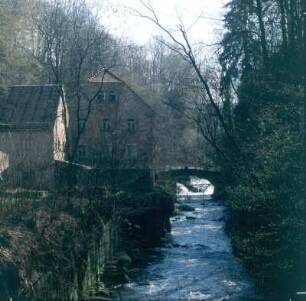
{"x": 242, "y": 114}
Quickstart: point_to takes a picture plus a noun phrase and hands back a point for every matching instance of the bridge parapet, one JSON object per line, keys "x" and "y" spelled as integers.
{"x": 188, "y": 167}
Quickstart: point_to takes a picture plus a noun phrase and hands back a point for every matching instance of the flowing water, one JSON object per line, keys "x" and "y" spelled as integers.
{"x": 195, "y": 262}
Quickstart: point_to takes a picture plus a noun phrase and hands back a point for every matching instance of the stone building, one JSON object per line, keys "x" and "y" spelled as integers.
{"x": 32, "y": 135}
{"x": 114, "y": 125}
{"x": 109, "y": 129}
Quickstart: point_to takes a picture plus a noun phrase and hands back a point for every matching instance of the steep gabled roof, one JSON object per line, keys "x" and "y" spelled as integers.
{"x": 29, "y": 107}
{"x": 106, "y": 76}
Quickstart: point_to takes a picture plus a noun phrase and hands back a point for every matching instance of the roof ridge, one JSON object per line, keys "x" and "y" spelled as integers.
{"x": 104, "y": 71}
{"x": 25, "y": 105}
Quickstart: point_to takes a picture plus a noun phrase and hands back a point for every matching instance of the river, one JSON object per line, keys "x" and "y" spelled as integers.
{"x": 195, "y": 262}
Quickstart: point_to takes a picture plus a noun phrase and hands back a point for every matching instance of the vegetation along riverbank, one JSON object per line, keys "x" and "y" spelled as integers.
{"x": 51, "y": 250}
{"x": 94, "y": 128}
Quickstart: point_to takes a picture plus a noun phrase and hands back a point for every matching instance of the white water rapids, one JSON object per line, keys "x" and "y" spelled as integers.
{"x": 201, "y": 188}
{"x": 196, "y": 261}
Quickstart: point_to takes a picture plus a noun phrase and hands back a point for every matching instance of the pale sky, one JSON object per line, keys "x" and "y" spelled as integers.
{"x": 202, "y": 18}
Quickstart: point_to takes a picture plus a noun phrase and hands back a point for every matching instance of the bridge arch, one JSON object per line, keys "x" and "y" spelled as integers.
{"x": 183, "y": 175}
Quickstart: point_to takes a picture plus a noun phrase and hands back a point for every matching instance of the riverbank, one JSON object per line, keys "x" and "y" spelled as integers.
{"x": 267, "y": 237}
{"x": 194, "y": 262}
{"x": 55, "y": 248}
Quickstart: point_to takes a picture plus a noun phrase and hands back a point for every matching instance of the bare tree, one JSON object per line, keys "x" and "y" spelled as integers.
{"x": 75, "y": 47}
{"x": 178, "y": 42}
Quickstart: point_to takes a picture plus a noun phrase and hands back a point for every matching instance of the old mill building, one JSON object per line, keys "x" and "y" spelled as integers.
{"x": 107, "y": 126}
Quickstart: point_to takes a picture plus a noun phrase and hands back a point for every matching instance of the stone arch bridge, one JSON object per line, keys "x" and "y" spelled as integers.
{"x": 182, "y": 174}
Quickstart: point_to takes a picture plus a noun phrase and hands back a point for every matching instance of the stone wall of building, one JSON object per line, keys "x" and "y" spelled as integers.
{"x": 31, "y": 156}
{"x": 118, "y": 130}
{"x": 60, "y": 131}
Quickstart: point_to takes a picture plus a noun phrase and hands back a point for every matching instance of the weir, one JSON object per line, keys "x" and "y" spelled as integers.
{"x": 184, "y": 175}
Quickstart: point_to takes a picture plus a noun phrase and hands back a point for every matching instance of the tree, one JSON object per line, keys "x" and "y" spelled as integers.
{"x": 181, "y": 45}
{"x": 267, "y": 123}
{"x": 74, "y": 48}
{"x": 258, "y": 140}
{"x": 18, "y": 63}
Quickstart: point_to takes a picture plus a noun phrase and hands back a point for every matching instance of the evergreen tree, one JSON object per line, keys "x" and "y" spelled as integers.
{"x": 260, "y": 60}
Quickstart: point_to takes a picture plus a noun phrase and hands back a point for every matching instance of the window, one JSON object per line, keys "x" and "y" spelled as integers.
{"x": 101, "y": 96}
{"x": 131, "y": 123}
{"x": 131, "y": 151}
{"x": 112, "y": 96}
{"x": 106, "y": 125}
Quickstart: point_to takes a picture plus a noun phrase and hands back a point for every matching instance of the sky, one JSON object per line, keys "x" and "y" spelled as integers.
{"x": 201, "y": 18}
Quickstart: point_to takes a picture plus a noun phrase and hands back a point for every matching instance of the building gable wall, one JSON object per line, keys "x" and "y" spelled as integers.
{"x": 130, "y": 127}
{"x": 31, "y": 158}
{"x": 59, "y": 131}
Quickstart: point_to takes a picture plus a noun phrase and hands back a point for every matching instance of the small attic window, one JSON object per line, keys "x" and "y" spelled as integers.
{"x": 131, "y": 124}
{"x": 101, "y": 96}
{"x": 112, "y": 96}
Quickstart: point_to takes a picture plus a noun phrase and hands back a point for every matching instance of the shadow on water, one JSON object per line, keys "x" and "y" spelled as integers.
{"x": 195, "y": 262}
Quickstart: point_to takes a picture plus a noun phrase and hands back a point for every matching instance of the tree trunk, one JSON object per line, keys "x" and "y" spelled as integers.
{"x": 245, "y": 33}
{"x": 303, "y": 261}
{"x": 265, "y": 56}
{"x": 283, "y": 26}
